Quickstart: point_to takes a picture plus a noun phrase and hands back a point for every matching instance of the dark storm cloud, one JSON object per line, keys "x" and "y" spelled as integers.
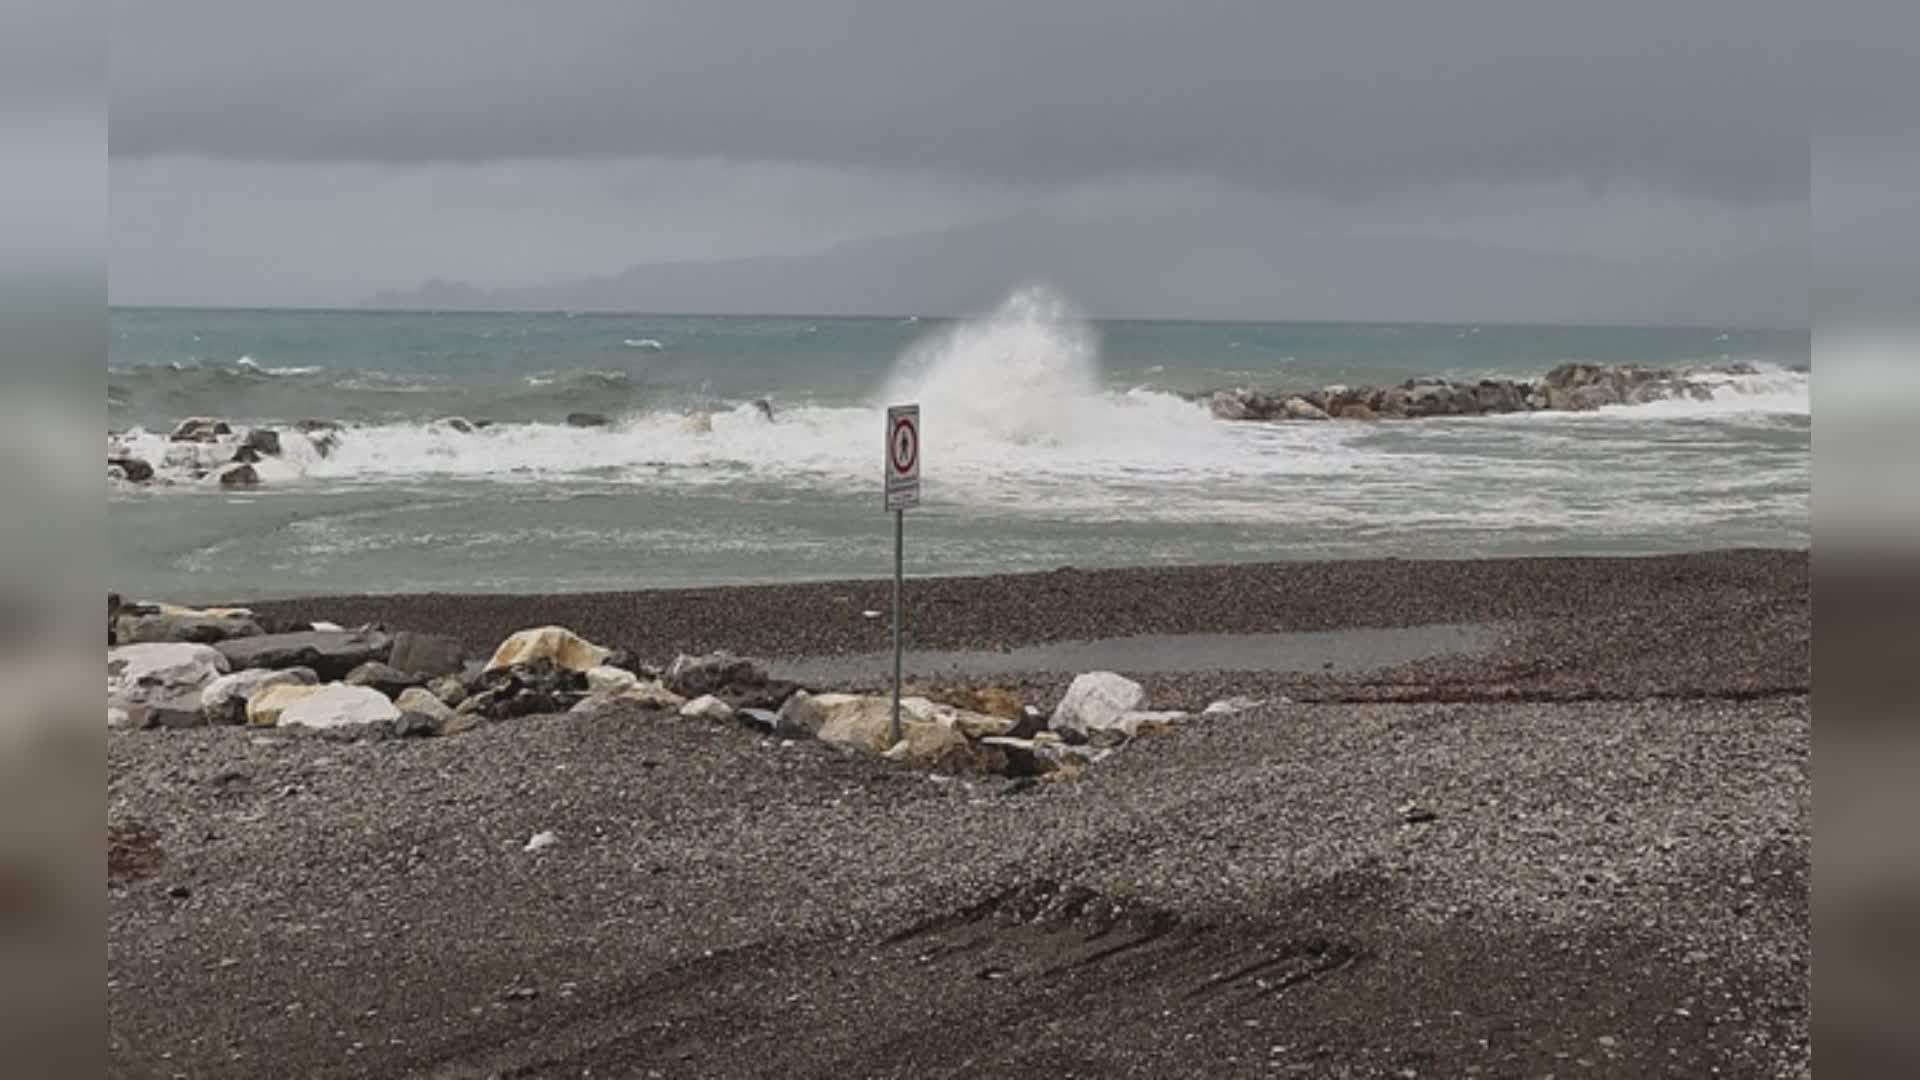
{"x": 51, "y": 54}
{"x": 1703, "y": 97}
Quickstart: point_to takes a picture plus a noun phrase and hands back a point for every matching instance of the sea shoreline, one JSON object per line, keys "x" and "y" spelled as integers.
{"x": 1663, "y": 614}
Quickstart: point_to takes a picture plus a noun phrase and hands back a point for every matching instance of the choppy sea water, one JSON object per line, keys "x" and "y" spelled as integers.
{"x": 1048, "y": 440}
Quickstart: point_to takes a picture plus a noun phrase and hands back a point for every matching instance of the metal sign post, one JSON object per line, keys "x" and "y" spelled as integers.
{"x": 902, "y": 490}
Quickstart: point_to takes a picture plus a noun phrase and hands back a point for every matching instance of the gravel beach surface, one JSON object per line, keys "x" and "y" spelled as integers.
{"x": 1591, "y": 859}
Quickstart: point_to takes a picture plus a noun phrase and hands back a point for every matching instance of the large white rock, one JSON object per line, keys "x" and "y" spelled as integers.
{"x": 224, "y": 700}
{"x": 137, "y": 672}
{"x": 557, "y": 643}
{"x": 1096, "y": 701}
{"x": 866, "y": 721}
{"x": 338, "y": 705}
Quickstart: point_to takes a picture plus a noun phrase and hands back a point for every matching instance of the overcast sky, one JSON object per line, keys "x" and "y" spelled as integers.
{"x": 279, "y": 153}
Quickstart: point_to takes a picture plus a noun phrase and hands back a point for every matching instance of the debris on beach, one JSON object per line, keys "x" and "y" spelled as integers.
{"x": 541, "y": 841}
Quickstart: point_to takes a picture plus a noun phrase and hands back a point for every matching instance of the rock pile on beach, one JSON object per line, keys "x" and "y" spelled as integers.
{"x": 1570, "y": 387}
{"x": 171, "y": 667}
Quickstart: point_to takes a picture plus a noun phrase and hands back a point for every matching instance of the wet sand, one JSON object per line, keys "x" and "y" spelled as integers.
{"x": 1583, "y": 851}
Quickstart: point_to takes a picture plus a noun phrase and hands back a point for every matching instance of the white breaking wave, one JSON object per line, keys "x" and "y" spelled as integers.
{"x": 652, "y": 344}
{"x": 1016, "y": 416}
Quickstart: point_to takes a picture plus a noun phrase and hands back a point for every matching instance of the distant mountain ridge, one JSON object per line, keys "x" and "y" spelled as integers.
{"x": 1188, "y": 266}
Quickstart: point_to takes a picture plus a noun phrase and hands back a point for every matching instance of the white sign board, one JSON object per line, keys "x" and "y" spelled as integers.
{"x": 903, "y": 457}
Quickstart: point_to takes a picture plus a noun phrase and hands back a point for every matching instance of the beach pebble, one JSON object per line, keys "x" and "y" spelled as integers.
{"x": 541, "y": 841}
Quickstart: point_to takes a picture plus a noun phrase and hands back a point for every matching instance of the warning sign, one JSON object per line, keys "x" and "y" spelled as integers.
{"x": 903, "y": 457}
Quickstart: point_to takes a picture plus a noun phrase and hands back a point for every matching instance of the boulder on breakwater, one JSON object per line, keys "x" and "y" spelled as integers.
{"x": 1570, "y": 387}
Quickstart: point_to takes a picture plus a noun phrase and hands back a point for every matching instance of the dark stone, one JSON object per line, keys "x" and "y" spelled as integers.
{"x": 479, "y": 703}
{"x": 534, "y": 702}
{"x": 384, "y": 678}
{"x": 282, "y": 624}
{"x": 524, "y": 690}
{"x": 245, "y": 455}
{"x": 330, "y": 653}
{"x": 1030, "y": 723}
{"x": 431, "y": 655}
{"x": 586, "y": 419}
{"x": 770, "y": 695}
{"x": 132, "y": 629}
{"x": 764, "y": 406}
{"x": 413, "y": 725}
{"x": 200, "y": 429}
{"x": 240, "y": 476}
{"x": 692, "y": 676}
{"x": 460, "y": 424}
{"x": 132, "y": 468}
{"x": 770, "y": 723}
{"x": 262, "y": 441}
{"x": 625, "y": 660}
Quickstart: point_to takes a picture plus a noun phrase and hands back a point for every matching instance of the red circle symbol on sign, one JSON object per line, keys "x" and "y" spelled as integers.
{"x": 905, "y": 446}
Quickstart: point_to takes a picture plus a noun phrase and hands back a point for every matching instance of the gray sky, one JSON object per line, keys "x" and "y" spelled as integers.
{"x": 269, "y": 152}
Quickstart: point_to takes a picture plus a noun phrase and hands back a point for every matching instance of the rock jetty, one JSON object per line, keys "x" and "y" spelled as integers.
{"x": 1571, "y": 387}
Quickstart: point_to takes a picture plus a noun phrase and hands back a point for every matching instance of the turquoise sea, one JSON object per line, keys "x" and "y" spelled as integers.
{"x": 1048, "y": 440}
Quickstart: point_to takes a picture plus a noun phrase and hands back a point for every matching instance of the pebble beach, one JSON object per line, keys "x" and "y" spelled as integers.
{"x": 1580, "y": 847}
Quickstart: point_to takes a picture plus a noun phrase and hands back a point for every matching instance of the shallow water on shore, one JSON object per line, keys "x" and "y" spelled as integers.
{"x": 1333, "y": 651}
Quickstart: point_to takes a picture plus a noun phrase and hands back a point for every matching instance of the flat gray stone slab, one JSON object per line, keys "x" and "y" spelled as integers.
{"x": 330, "y": 653}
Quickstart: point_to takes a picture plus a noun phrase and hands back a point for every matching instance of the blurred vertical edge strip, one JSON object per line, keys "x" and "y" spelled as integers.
{"x": 1865, "y": 145}
{"x": 53, "y": 229}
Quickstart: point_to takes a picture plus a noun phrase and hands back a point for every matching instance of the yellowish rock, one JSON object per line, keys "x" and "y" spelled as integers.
{"x": 265, "y": 707}
{"x": 557, "y": 643}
